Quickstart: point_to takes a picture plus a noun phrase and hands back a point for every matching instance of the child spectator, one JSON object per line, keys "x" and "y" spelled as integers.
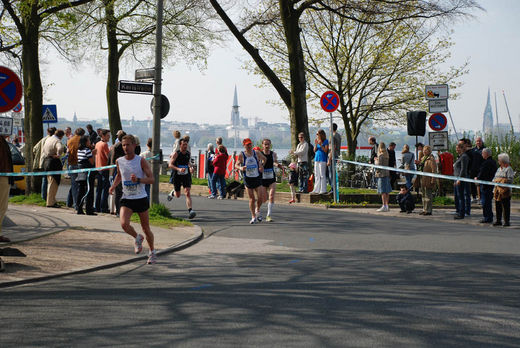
{"x": 293, "y": 180}
{"x": 405, "y": 200}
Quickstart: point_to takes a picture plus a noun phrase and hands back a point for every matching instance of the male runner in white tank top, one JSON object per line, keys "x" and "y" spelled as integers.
{"x": 134, "y": 172}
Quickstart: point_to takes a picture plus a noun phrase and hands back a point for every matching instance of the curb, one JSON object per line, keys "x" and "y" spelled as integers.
{"x": 174, "y": 248}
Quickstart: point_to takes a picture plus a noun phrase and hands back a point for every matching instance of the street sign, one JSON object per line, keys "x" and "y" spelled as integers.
{"x": 329, "y": 101}
{"x": 434, "y": 92}
{"x": 145, "y": 74}
{"x": 135, "y": 87}
{"x": 49, "y": 114}
{"x": 6, "y": 126}
{"x": 165, "y": 106}
{"x": 11, "y": 89}
{"x": 437, "y": 122}
{"x": 18, "y": 107}
{"x": 438, "y": 140}
{"x": 440, "y": 105}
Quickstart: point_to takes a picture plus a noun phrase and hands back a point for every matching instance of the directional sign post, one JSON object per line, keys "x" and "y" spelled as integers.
{"x": 437, "y": 122}
{"x": 11, "y": 89}
{"x": 6, "y": 126}
{"x": 438, "y": 140}
{"x": 135, "y": 87}
{"x": 49, "y": 114}
{"x": 330, "y": 102}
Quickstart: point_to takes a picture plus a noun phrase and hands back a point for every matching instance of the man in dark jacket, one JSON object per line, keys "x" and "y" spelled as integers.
{"x": 487, "y": 173}
{"x": 392, "y": 163}
{"x": 373, "y": 152}
{"x": 461, "y": 169}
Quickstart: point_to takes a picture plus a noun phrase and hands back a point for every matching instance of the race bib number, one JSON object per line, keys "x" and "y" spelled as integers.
{"x": 268, "y": 173}
{"x": 131, "y": 187}
{"x": 183, "y": 169}
{"x": 251, "y": 170}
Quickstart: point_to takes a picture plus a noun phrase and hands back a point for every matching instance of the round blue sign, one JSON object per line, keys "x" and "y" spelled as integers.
{"x": 438, "y": 122}
{"x": 329, "y": 101}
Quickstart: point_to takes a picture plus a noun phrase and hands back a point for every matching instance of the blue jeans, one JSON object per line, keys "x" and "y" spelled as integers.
{"x": 467, "y": 196}
{"x": 409, "y": 178}
{"x": 220, "y": 181}
{"x": 303, "y": 176}
{"x": 211, "y": 184}
{"x": 486, "y": 193}
{"x": 460, "y": 198}
{"x": 44, "y": 187}
{"x": 73, "y": 191}
{"x": 103, "y": 184}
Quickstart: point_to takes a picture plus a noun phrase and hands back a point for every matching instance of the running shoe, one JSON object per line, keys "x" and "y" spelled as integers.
{"x": 138, "y": 243}
{"x": 381, "y": 209}
{"x": 220, "y": 197}
{"x": 211, "y": 197}
{"x": 170, "y": 197}
{"x": 152, "y": 257}
{"x": 259, "y": 216}
{"x": 292, "y": 201}
{"x": 253, "y": 221}
{"x": 268, "y": 219}
{"x": 192, "y": 214}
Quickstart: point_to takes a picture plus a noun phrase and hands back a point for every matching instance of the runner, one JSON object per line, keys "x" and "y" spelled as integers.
{"x": 181, "y": 176}
{"x": 134, "y": 172}
{"x": 269, "y": 177}
{"x": 250, "y": 162}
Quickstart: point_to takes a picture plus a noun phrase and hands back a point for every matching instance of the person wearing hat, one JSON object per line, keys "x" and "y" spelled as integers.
{"x": 250, "y": 162}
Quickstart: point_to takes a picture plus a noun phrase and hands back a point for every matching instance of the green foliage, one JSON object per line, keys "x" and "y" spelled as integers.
{"x": 161, "y": 216}
{"x": 33, "y": 199}
{"x": 507, "y": 144}
{"x": 443, "y": 201}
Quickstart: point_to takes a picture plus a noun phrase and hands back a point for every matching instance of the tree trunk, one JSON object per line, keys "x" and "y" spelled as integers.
{"x": 298, "y": 109}
{"x": 33, "y": 92}
{"x": 114, "y": 118}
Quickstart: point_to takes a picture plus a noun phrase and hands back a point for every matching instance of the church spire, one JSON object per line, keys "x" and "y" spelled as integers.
{"x": 235, "y": 114}
{"x": 487, "y": 125}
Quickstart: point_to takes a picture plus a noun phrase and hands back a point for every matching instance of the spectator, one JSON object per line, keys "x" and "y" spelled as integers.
{"x": 218, "y": 142}
{"x": 210, "y": 171}
{"x": 92, "y": 135}
{"x": 68, "y": 133}
{"x": 476, "y": 162}
{"x": 428, "y": 183}
{"x": 446, "y": 168}
{"x": 38, "y": 159}
{"x": 419, "y": 148}
{"x": 407, "y": 163}
{"x": 72, "y": 158}
{"x": 293, "y": 180}
{"x": 321, "y": 149}
{"x": 52, "y": 151}
{"x": 16, "y": 142}
{"x": 337, "y": 152}
{"x": 502, "y": 195}
{"x": 461, "y": 169}
{"x": 117, "y": 152}
{"x": 186, "y": 138}
{"x": 102, "y": 176}
{"x": 6, "y": 166}
{"x": 137, "y": 145}
{"x": 405, "y": 200}
{"x": 383, "y": 176}
{"x": 176, "y": 143}
{"x": 302, "y": 153}
{"x": 373, "y": 151}
{"x": 392, "y": 163}
{"x": 147, "y": 155}
{"x": 219, "y": 171}
{"x": 487, "y": 172}
{"x": 85, "y": 179}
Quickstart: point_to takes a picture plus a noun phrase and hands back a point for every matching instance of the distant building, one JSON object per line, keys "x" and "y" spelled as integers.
{"x": 487, "y": 124}
{"x": 235, "y": 114}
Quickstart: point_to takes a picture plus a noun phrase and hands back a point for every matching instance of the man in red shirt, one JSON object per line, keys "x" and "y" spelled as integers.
{"x": 103, "y": 182}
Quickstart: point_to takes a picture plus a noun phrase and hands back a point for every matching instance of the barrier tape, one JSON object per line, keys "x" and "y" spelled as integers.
{"x": 433, "y": 175}
{"x": 73, "y": 171}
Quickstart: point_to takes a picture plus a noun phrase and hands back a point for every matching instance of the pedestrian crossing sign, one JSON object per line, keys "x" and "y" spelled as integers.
{"x": 49, "y": 114}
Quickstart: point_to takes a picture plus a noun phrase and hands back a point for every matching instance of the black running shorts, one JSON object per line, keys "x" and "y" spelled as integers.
{"x": 252, "y": 183}
{"x": 181, "y": 180}
{"x": 137, "y": 205}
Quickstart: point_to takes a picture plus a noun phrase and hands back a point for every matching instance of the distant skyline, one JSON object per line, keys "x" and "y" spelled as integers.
{"x": 490, "y": 42}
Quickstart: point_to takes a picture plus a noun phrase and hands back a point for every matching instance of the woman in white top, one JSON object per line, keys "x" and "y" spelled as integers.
{"x": 302, "y": 153}
{"x": 503, "y": 175}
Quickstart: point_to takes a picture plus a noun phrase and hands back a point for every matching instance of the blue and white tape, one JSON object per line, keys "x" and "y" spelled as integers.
{"x": 60, "y": 172}
{"x": 433, "y": 175}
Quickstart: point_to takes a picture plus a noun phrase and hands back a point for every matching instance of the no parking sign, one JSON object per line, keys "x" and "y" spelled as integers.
{"x": 10, "y": 89}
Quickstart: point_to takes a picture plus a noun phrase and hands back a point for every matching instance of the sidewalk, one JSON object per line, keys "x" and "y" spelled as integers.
{"x": 58, "y": 242}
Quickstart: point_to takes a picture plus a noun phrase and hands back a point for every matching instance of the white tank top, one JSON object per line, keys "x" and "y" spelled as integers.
{"x": 131, "y": 190}
{"x": 251, "y": 164}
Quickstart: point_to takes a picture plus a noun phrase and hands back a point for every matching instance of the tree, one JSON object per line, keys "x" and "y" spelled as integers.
{"x": 124, "y": 28}
{"x": 29, "y": 18}
{"x": 288, "y": 13}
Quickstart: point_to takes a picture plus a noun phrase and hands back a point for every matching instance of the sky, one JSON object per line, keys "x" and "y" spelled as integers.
{"x": 490, "y": 42}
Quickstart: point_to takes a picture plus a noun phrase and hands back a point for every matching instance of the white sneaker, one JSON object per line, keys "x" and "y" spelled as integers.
{"x": 211, "y": 197}
{"x": 386, "y": 208}
{"x": 381, "y": 209}
{"x": 152, "y": 257}
{"x": 253, "y": 221}
{"x": 170, "y": 196}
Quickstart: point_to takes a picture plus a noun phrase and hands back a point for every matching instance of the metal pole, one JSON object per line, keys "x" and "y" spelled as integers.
{"x": 453, "y": 125}
{"x": 508, "y": 114}
{"x": 156, "y": 138}
{"x": 333, "y": 161}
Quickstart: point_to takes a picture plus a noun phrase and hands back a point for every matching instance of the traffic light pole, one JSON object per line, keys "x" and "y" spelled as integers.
{"x": 156, "y": 138}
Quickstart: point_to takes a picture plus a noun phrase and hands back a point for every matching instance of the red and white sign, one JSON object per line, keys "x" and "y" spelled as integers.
{"x": 438, "y": 122}
{"x": 10, "y": 89}
{"x": 329, "y": 101}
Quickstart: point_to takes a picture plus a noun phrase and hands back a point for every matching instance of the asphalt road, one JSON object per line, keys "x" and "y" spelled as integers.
{"x": 311, "y": 278}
